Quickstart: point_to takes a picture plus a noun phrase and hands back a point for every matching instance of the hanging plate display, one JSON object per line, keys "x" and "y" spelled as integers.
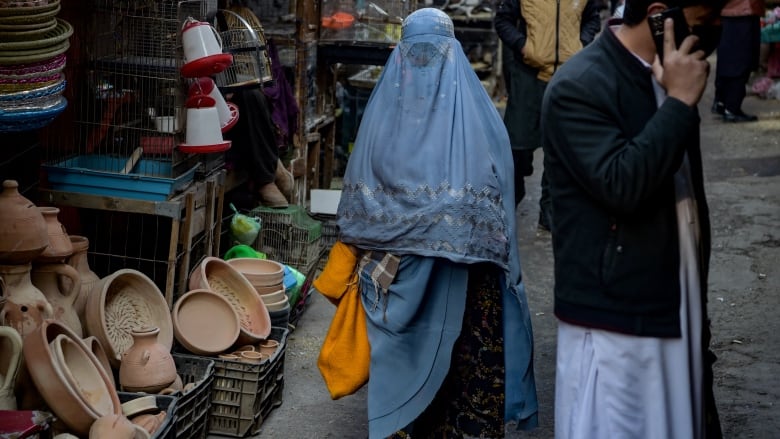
{"x": 60, "y": 33}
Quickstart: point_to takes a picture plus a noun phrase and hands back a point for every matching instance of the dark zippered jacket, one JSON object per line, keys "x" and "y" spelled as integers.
{"x": 610, "y": 156}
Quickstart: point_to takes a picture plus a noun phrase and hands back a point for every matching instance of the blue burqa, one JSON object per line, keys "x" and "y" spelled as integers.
{"x": 431, "y": 180}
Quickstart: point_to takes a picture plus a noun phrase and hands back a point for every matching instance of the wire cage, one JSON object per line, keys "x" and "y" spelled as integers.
{"x": 127, "y": 116}
{"x": 290, "y": 236}
{"x": 377, "y": 21}
{"x": 243, "y": 36}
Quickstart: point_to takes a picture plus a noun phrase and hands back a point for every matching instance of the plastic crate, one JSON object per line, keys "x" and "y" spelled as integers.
{"x": 192, "y": 408}
{"x": 244, "y": 393}
{"x": 289, "y": 236}
{"x": 167, "y": 429}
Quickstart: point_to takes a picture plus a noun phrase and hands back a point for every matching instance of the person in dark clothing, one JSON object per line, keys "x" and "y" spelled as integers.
{"x": 537, "y": 36}
{"x": 738, "y": 56}
{"x": 631, "y": 235}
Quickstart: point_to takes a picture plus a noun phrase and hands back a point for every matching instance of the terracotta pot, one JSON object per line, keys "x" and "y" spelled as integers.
{"x": 116, "y": 426}
{"x": 259, "y": 272}
{"x": 59, "y": 248}
{"x": 49, "y": 279}
{"x": 25, "y": 305}
{"x": 48, "y": 379}
{"x": 150, "y": 422}
{"x": 97, "y": 349}
{"x": 217, "y": 275}
{"x": 88, "y": 277}
{"x": 82, "y": 373}
{"x": 10, "y": 361}
{"x": 264, "y": 290}
{"x": 148, "y": 365}
{"x": 23, "y": 233}
{"x": 268, "y": 347}
{"x": 273, "y": 297}
{"x": 122, "y": 302}
{"x": 205, "y": 323}
{"x": 252, "y": 356}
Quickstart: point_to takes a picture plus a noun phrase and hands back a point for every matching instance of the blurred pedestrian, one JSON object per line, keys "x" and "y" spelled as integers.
{"x": 428, "y": 203}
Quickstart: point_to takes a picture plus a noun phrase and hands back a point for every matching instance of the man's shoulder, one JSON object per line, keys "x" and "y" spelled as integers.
{"x": 592, "y": 61}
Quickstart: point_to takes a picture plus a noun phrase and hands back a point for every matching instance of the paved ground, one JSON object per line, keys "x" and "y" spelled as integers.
{"x": 742, "y": 164}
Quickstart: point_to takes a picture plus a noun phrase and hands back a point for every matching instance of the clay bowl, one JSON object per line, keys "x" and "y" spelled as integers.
{"x": 83, "y": 374}
{"x": 139, "y": 406}
{"x": 94, "y": 345}
{"x": 124, "y": 301}
{"x": 259, "y": 272}
{"x": 273, "y": 297}
{"x": 69, "y": 406}
{"x": 268, "y": 347}
{"x": 278, "y": 306}
{"x": 205, "y": 323}
{"x": 268, "y": 289}
{"x": 217, "y": 275}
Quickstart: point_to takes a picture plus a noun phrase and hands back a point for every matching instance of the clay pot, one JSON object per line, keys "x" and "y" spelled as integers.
{"x": 59, "y": 248}
{"x": 82, "y": 373}
{"x": 25, "y": 305}
{"x": 122, "y": 302}
{"x": 204, "y": 322}
{"x": 259, "y": 272}
{"x": 148, "y": 365}
{"x": 252, "y": 356}
{"x": 10, "y": 361}
{"x": 268, "y": 347}
{"x": 97, "y": 349}
{"x": 116, "y": 426}
{"x": 78, "y": 260}
{"x": 265, "y": 290}
{"x": 217, "y": 275}
{"x": 273, "y": 297}
{"x": 49, "y": 278}
{"x": 23, "y": 232}
{"x": 49, "y": 380}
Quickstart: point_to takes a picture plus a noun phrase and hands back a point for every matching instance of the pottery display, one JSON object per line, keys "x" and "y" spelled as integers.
{"x": 49, "y": 279}
{"x": 139, "y": 406}
{"x": 60, "y": 247}
{"x": 116, "y": 426}
{"x": 205, "y": 323}
{"x": 121, "y": 302}
{"x": 78, "y": 260}
{"x": 217, "y": 275}
{"x": 279, "y": 305}
{"x": 150, "y": 422}
{"x": 147, "y": 366}
{"x": 10, "y": 361}
{"x": 268, "y": 347}
{"x": 25, "y": 305}
{"x": 23, "y": 232}
{"x": 252, "y": 356}
{"x": 263, "y": 290}
{"x": 48, "y": 379}
{"x": 259, "y": 272}
{"x": 274, "y": 297}
{"x": 97, "y": 349}
{"x": 82, "y": 373}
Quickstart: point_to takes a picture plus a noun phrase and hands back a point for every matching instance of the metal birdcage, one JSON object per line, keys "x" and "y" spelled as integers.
{"x": 126, "y": 118}
{"x": 243, "y": 36}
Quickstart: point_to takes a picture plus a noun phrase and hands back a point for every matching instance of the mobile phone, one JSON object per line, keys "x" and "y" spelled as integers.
{"x": 656, "y": 23}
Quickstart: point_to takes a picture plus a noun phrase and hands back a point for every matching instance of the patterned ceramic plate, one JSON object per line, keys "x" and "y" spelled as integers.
{"x": 39, "y": 17}
{"x": 29, "y": 10}
{"x": 60, "y": 33}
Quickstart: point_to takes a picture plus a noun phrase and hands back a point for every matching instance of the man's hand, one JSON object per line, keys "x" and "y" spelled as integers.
{"x": 683, "y": 74}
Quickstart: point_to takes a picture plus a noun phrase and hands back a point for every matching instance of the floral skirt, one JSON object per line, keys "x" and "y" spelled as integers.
{"x": 470, "y": 402}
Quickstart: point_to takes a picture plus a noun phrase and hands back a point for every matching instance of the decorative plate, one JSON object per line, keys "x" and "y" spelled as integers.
{"x": 60, "y": 33}
{"x": 40, "y": 17}
{"x": 23, "y": 56}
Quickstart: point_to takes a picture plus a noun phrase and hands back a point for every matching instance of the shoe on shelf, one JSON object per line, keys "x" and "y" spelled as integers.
{"x": 718, "y": 108}
{"x": 738, "y": 116}
{"x": 272, "y": 197}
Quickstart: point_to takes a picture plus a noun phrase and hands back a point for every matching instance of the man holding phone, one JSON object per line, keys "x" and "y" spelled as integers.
{"x": 631, "y": 241}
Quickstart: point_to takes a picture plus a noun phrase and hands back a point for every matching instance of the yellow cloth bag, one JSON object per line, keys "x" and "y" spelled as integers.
{"x": 345, "y": 353}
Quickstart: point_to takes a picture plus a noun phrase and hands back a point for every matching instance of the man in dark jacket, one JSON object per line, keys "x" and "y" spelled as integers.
{"x": 537, "y": 37}
{"x": 631, "y": 231}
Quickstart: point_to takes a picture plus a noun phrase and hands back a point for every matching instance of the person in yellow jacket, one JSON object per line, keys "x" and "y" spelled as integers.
{"x": 537, "y": 37}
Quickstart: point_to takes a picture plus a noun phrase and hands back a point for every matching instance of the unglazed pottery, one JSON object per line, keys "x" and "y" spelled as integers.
{"x": 48, "y": 379}
{"x": 25, "y": 305}
{"x": 121, "y": 302}
{"x": 116, "y": 426}
{"x": 205, "y": 323}
{"x": 263, "y": 290}
{"x": 83, "y": 373}
{"x": 139, "y": 406}
{"x": 23, "y": 235}
{"x": 259, "y": 272}
{"x": 252, "y": 356}
{"x": 268, "y": 347}
{"x": 60, "y": 247}
{"x": 147, "y": 366}
{"x": 217, "y": 275}
{"x": 78, "y": 260}
{"x": 278, "y": 305}
{"x": 49, "y": 278}
{"x": 10, "y": 361}
{"x": 97, "y": 349}
{"x": 150, "y": 422}
{"x": 273, "y": 297}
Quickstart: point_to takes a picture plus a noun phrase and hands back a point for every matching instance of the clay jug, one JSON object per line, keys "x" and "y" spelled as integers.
{"x": 88, "y": 277}
{"x": 49, "y": 278}
{"x": 23, "y": 233}
{"x": 59, "y": 248}
{"x": 147, "y": 366}
{"x": 26, "y": 306}
{"x": 10, "y": 361}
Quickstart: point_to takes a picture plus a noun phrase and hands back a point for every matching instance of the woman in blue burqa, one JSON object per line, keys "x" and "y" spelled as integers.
{"x": 428, "y": 203}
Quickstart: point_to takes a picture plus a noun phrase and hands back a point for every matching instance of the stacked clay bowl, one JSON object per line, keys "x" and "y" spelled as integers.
{"x": 69, "y": 377}
{"x": 220, "y": 277}
{"x": 205, "y": 323}
{"x": 33, "y": 42}
{"x": 266, "y": 276}
{"x": 122, "y": 302}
